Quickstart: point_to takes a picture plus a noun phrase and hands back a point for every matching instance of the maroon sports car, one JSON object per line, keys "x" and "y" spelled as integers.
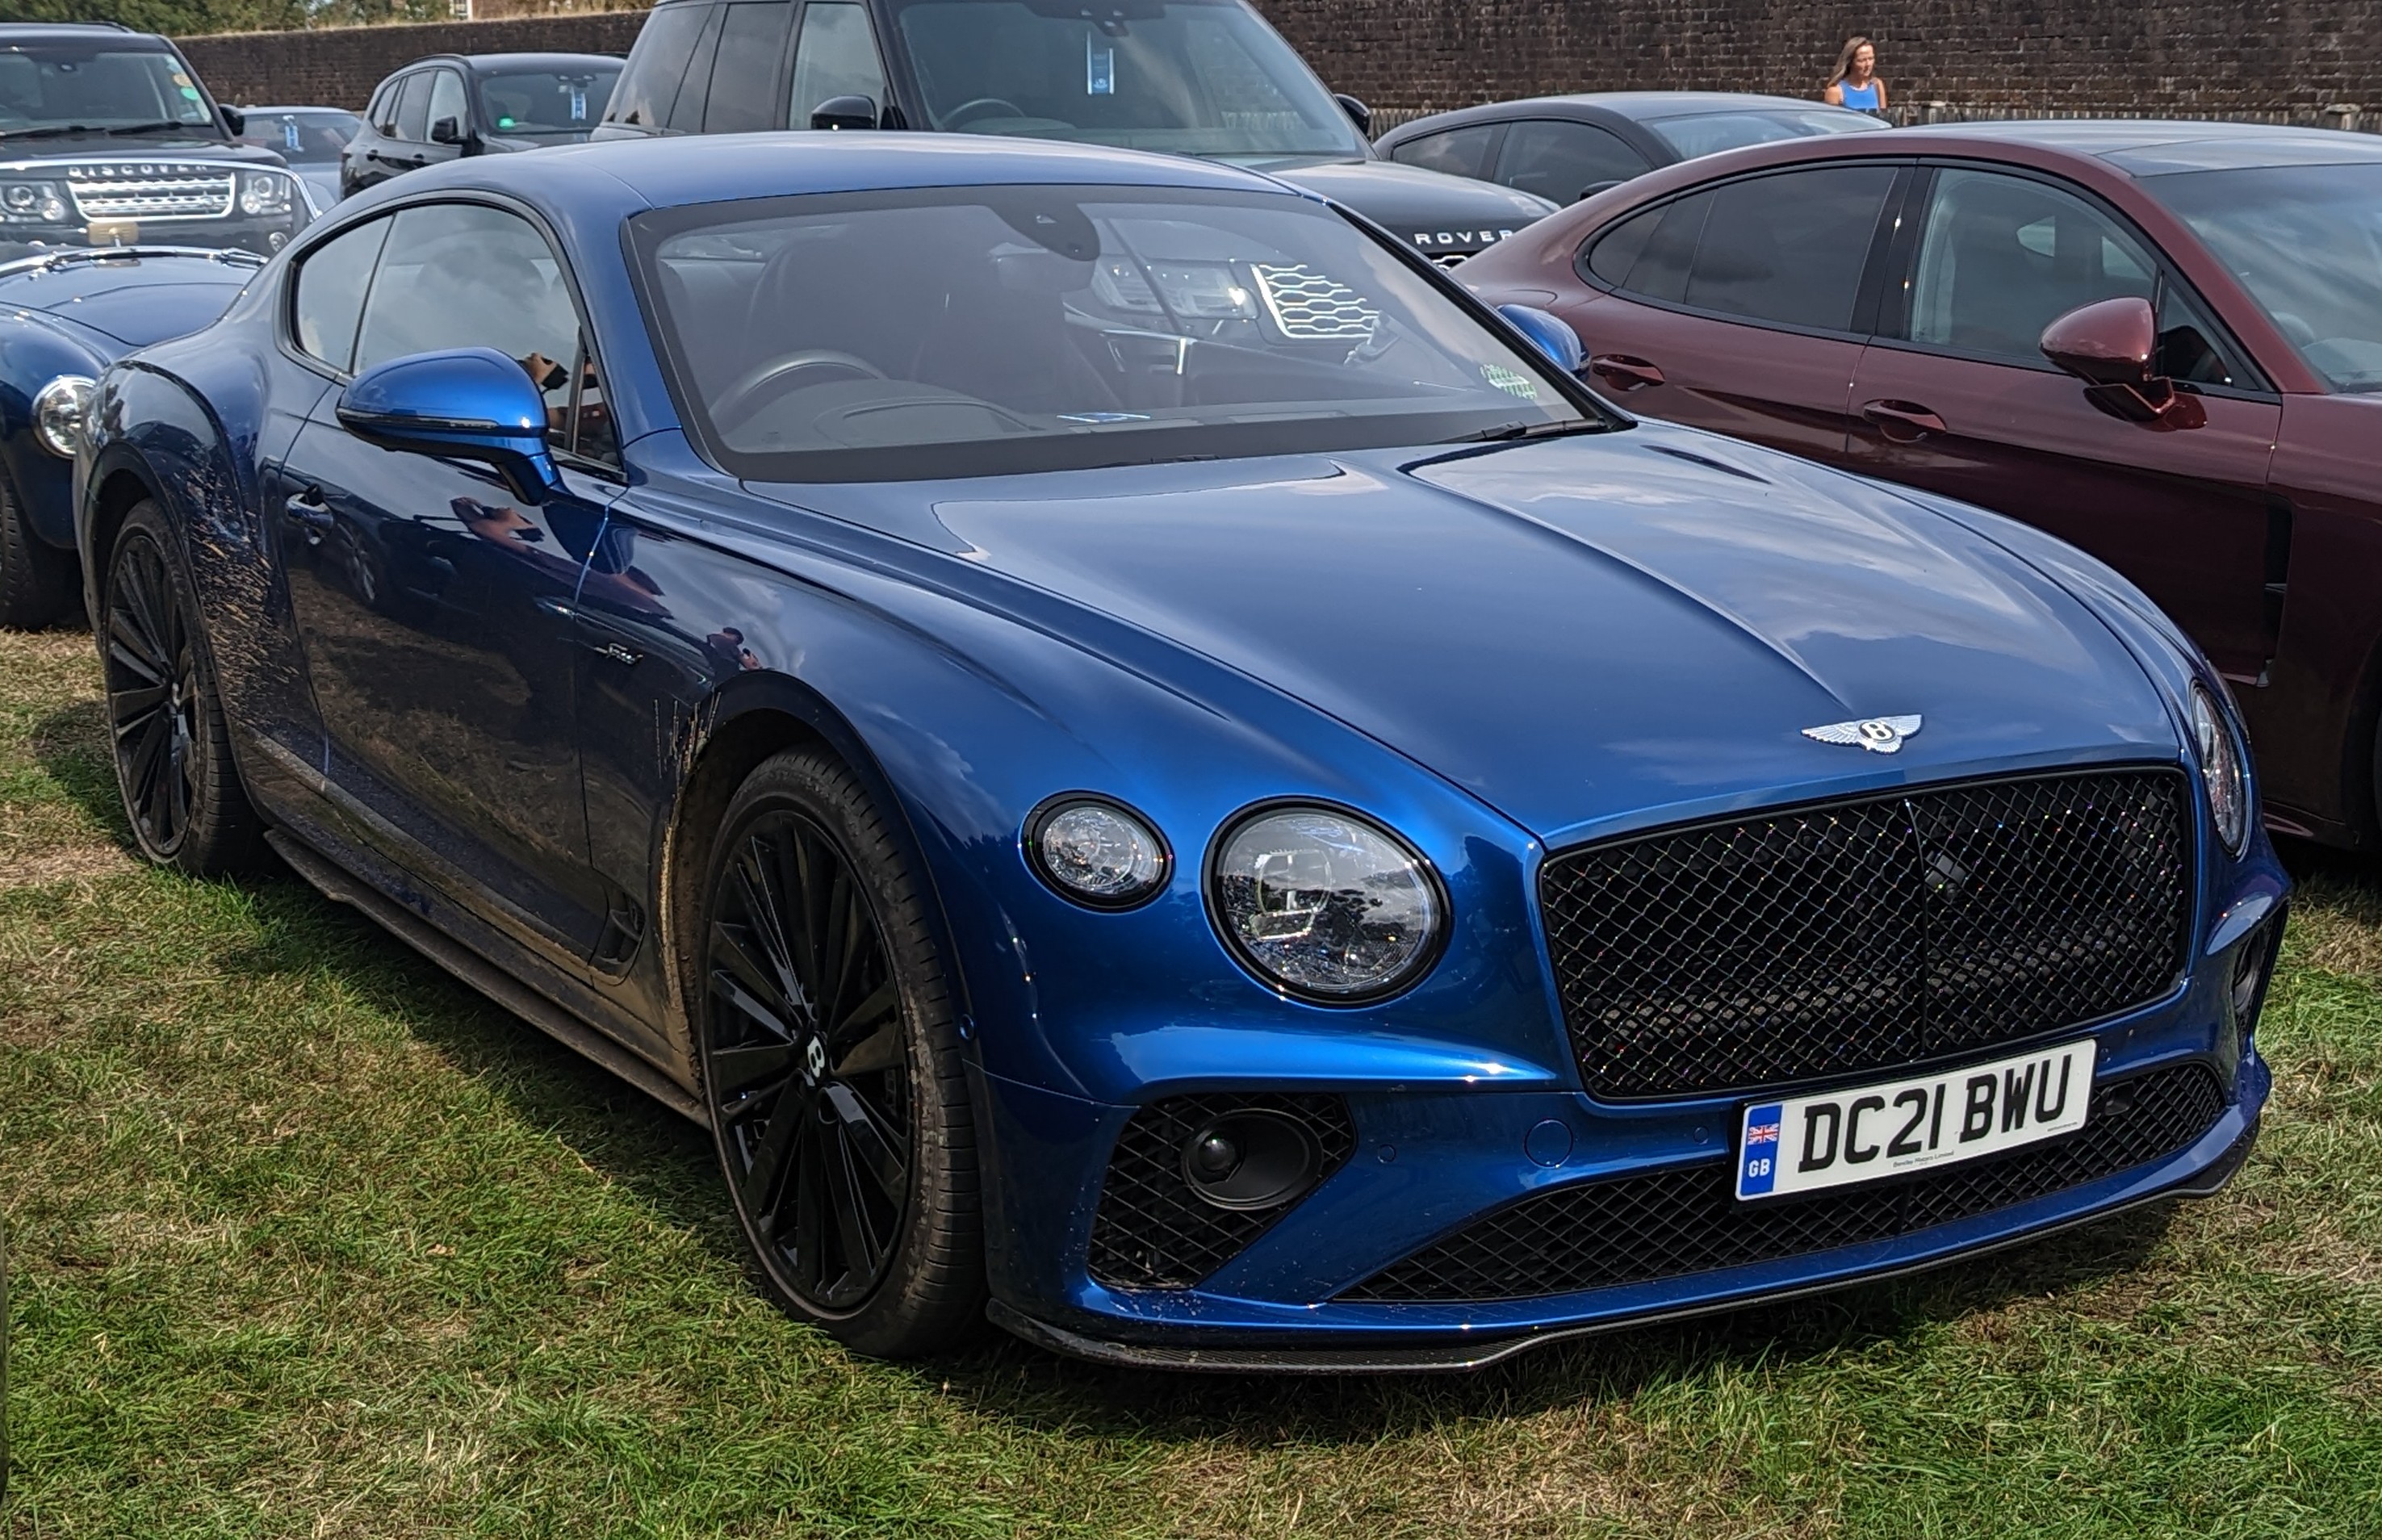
{"x": 2159, "y": 341}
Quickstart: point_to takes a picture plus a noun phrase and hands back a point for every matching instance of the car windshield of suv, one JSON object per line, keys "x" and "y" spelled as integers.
{"x": 537, "y": 102}
{"x": 302, "y": 138}
{"x": 57, "y": 88}
{"x": 980, "y": 331}
{"x": 2306, "y": 242}
{"x": 1709, "y": 133}
{"x": 1190, "y": 76}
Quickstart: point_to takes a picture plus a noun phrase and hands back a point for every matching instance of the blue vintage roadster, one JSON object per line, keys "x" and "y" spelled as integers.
{"x": 1144, "y": 763}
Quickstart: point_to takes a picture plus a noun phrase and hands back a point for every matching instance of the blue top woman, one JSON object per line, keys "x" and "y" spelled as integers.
{"x": 1855, "y": 84}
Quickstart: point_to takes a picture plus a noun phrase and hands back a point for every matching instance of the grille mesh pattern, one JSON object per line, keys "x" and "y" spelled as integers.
{"x": 152, "y": 191}
{"x": 1597, "y": 1234}
{"x": 1890, "y": 931}
{"x": 1151, "y": 1232}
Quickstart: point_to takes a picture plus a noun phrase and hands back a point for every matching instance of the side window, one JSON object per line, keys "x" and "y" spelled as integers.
{"x": 382, "y": 113}
{"x": 658, "y": 63}
{"x": 2189, "y": 349}
{"x": 328, "y": 297}
{"x": 447, "y": 102}
{"x": 465, "y": 275}
{"x": 745, "y": 81}
{"x": 837, "y": 56}
{"x": 1787, "y": 248}
{"x": 685, "y": 115}
{"x": 413, "y": 109}
{"x": 1458, "y": 151}
{"x": 1560, "y": 160}
{"x": 2002, "y": 256}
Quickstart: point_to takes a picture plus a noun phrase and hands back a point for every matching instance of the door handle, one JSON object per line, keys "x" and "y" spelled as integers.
{"x": 307, "y": 512}
{"x": 1903, "y": 421}
{"x": 1624, "y": 372}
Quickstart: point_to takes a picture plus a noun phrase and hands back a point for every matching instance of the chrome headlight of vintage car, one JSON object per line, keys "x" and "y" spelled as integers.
{"x": 268, "y": 192}
{"x": 1325, "y": 905}
{"x": 32, "y": 201}
{"x": 60, "y": 412}
{"x": 1096, "y": 852}
{"x": 2224, "y": 769}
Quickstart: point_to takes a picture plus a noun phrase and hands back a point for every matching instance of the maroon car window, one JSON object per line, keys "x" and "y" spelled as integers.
{"x": 2002, "y": 256}
{"x": 1458, "y": 151}
{"x": 1560, "y": 161}
{"x": 1787, "y": 248}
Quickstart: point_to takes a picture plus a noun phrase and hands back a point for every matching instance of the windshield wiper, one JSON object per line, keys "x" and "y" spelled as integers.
{"x": 1505, "y": 430}
{"x": 61, "y": 130}
{"x": 161, "y": 126}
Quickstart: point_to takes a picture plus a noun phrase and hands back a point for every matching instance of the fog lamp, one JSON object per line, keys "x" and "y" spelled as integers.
{"x": 1251, "y": 1159}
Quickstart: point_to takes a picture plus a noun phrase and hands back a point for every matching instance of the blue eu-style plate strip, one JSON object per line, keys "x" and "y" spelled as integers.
{"x": 1757, "y": 1152}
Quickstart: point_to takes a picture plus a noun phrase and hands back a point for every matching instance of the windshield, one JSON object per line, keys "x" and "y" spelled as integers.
{"x": 978, "y": 331}
{"x": 2306, "y": 242}
{"x": 1190, "y": 77}
{"x": 1709, "y": 133}
{"x": 57, "y": 88}
{"x": 302, "y": 138}
{"x": 535, "y": 102}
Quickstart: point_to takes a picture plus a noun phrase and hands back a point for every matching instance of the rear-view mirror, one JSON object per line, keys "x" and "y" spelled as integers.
{"x": 1550, "y": 334}
{"x": 469, "y": 404}
{"x": 2112, "y": 346}
{"x": 844, "y": 112}
{"x": 1358, "y": 114}
{"x": 446, "y": 131}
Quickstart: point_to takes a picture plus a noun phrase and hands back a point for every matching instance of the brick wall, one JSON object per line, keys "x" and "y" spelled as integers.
{"x": 2196, "y": 57}
{"x": 338, "y": 65}
{"x": 2288, "y": 58}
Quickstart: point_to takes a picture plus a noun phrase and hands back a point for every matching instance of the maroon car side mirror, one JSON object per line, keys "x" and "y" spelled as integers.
{"x": 2110, "y": 345}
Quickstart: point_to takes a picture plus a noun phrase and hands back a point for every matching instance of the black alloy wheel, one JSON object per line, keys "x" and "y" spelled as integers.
{"x": 831, "y": 1070}
{"x": 172, "y": 757}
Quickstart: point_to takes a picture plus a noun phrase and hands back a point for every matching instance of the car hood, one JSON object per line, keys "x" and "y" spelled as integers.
{"x": 1582, "y": 632}
{"x": 1431, "y": 209}
{"x": 48, "y": 152}
{"x": 134, "y": 301}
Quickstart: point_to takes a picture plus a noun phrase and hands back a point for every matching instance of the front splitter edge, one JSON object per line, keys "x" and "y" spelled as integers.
{"x": 1465, "y": 1354}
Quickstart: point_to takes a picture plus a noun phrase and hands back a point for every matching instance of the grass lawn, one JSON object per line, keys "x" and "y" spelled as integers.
{"x": 307, "y": 1241}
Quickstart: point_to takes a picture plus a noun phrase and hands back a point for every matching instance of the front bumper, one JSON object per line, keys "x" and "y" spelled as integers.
{"x": 262, "y": 233}
{"x": 1430, "y": 1161}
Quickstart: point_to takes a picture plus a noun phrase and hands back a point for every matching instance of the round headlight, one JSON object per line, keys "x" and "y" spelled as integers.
{"x": 263, "y": 192}
{"x": 1325, "y": 905}
{"x": 2223, "y": 769}
{"x": 1096, "y": 852}
{"x": 59, "y": 412}
{"x": 20, "y": 196}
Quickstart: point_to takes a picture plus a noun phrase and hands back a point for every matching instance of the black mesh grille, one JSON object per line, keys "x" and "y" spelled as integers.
{"x": 1890, "y": 931}
{"x": 1630, "y": 1229}
{"x": 1151, "y": 1231}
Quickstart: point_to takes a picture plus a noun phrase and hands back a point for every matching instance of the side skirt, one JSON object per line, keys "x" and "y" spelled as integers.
{"x": 337, "y": 885}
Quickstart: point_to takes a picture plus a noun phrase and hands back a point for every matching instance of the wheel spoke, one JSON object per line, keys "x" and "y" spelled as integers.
{"x": 879, "y": 1051}
{"x": 862, "y": 1251}
{"x": 148, "y": 756}
{"x": 870, "y": 1143}
{"x": 756, "y": 995}
{"x": 811, "y": 1215}
{"x": 765, "y": 912}
{"x": 130, "y": 709}
{"x": 737, "y": 1072}
{"x": 765, "y": 1179}
{"x": 181, "y": 765}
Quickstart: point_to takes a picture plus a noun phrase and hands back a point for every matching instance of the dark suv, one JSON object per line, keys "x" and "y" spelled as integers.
{"x": 451, "y": 105}
{"x": 107, "y": 139}
{"x": 1190, "y": 76}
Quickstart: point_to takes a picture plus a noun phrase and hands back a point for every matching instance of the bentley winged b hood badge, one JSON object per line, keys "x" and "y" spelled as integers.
{"x": 1879, "y": 735}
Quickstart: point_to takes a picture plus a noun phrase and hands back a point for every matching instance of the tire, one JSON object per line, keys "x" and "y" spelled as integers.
{"x": 37, "y": 579}
{"x": 847, "y": 1144}
{"x": 174, "y": 770}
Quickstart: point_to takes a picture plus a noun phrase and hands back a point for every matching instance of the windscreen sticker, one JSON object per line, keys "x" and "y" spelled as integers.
{"x": 289, "y": 132}
{"x": 579, "y": 103}
{"x": 1511, "y": 382}
{"x": 1100, "y": 67}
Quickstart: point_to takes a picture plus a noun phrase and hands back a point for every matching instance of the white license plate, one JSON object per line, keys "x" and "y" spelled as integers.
{"x": 1866, "y": 1131}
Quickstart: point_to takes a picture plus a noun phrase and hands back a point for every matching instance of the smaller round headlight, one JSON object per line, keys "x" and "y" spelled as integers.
{"x": 59, "y": 412}
{"x": 21, "y": 196}
{"x": 1324, "y": 904}
{"x": 263, "y": 192}
{"x": 2222, "y": 769}
{"x": 1095, "y": 852}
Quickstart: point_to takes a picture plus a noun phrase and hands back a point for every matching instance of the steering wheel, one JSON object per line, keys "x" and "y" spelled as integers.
{"x": 969, "y": 110}
{"x": 765, "y": 382}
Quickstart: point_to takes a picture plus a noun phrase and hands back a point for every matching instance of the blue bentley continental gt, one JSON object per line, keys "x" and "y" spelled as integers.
{"x": 1151, "y": 769}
